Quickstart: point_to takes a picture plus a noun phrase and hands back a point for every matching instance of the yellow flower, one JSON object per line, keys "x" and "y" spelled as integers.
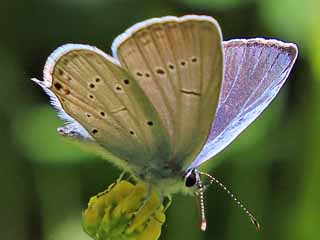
{"x": 124, "y": 212}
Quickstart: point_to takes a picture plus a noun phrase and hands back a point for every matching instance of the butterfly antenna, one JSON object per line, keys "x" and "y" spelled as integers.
{"x": 216, "y": 181}
{"x": 200, "y": 194}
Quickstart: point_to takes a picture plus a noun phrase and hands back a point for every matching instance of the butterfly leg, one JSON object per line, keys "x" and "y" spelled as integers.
{"x": 121, "y": 176}
{"x": 107, "y": 190}
{"x": 112, "y": 185}
{"x": 168, "y": 204}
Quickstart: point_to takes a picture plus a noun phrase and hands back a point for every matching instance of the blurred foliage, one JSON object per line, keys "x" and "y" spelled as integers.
{"x": 45, "y": 148}
{"x": 217, "y": 4}
{"x": 274, "y": 167}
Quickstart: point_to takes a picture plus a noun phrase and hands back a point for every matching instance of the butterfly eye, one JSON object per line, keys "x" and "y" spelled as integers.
{"x": 191, "y": 178}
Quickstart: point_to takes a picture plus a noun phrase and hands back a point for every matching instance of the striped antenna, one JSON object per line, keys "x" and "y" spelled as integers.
{"x": 216, "y": 181}
{"x": 200, "y": 194}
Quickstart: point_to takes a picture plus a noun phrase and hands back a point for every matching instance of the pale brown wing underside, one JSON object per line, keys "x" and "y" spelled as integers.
{"x": 178, "y": 62}
{"x": 94, "y": 90}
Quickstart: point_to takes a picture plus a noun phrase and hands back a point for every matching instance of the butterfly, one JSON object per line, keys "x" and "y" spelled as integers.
{"x": 172, "y": 96}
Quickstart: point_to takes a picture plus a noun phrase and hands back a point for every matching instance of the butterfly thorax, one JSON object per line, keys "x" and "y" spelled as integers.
{"x": 166, "y": 181}
{"x": 168, "y": 177}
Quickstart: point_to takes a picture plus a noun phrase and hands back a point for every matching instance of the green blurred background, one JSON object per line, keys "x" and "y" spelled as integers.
{"x": 274, "y": 167}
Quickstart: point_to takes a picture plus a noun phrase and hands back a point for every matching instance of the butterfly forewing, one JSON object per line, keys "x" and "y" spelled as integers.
{"x": 178, "y": 62}
{"x": 94, "y": 90}
{"x": 255, "y": 70}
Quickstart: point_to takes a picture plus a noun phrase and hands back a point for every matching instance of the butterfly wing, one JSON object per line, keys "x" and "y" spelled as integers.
{"x": 255, "y": 70}
{"x": 104, "y": 104}
{"x": 178, "y": 62}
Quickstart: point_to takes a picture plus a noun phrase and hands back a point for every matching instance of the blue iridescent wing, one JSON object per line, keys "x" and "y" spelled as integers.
{"x": 255, "y": 70}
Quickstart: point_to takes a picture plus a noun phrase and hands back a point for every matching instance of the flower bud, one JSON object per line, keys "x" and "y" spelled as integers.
{"x": 124, "y": 211}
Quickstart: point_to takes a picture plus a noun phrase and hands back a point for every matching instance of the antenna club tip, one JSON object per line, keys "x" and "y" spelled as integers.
{"x": 256, "y": 223}
{"x": 258, "y": 226}
{"x": 203, "y": 226}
